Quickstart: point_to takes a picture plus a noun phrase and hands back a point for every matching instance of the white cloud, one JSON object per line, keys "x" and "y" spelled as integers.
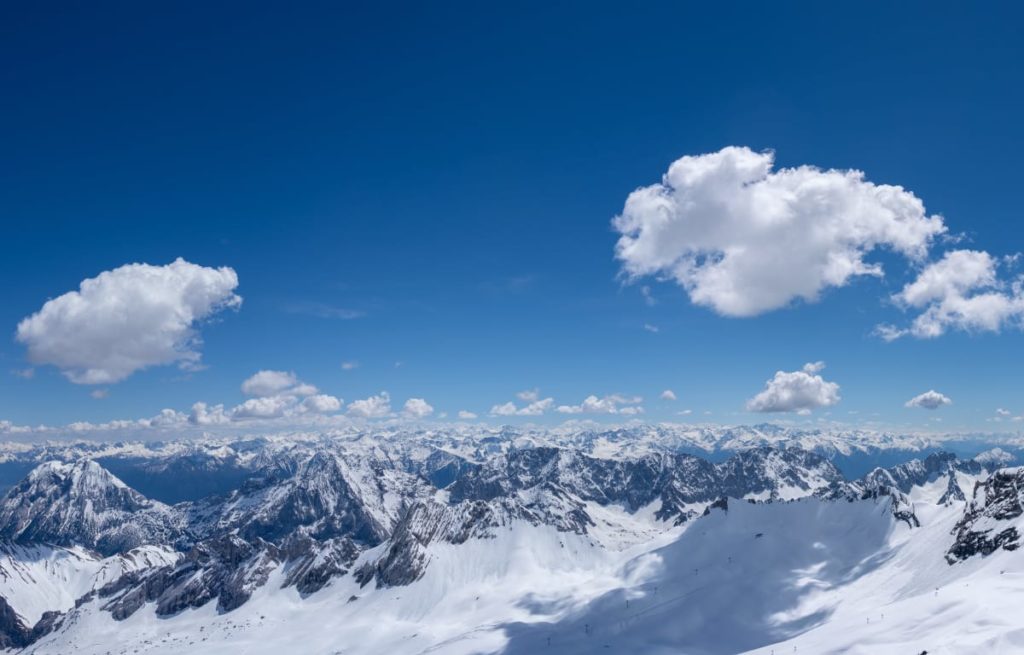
{"x": 466, "y": 416}
{"x": 796, "y": 391}
{"x": 263, "y": 407}
{"x": 685, "y": 412}
{"x": 320, "y": 403}
{"x": 535, "y": 408}
{"x": 506, "y": 409}
{"x": 929, "y": 400}
{"x": 960, "y": 291}
{"x": 167, "y": 418}
{"x": 743, "y": 239}
{"x": 348, "y": 366}
{"x": 322, "y": 310}
{"x": 202, "y": 414}
{"x": 529, "y": 396}
{"x": 1003, "y": 412}
{"x": 128, "y": 319}
{"x": 373, "y": 407}
{"x": 668, "y": 394}
{"x": 281, "y": 393}
{"x": 99, "y": 394}
{"x": 613, "y": 404}
{"x": 645, "y": 291}
{"x": 417, "y": 408}
{"x": 272, "y": 383}
{"x": 24, "y": 373}
{"x": 652, "y": 328}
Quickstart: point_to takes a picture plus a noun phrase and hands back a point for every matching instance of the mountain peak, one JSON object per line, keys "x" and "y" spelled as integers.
{"x": 81, "y": 503}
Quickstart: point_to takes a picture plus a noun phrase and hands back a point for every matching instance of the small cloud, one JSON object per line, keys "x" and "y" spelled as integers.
{"x": 652, "y": 328}
{"x": 273, "y": 394}
{"x": 529, "y": 396}
{"x": 320, "y": 403}
{"x": 203, "y": 414}
{"x": 271, "y": 383}
{"x": 417, "y": 408}
{"x": 1003, "y": 412}
{"x": 645, "y": 291}
{"x": 373, "y": 407}
{"x": 513, "y": 285}
{"x": 466, "y": 416}
{"x": 535, "y": 408}
{"x": 263, "y": 407}
{"x": 322, "y": 310}
{"x": 99, "y": 394}
{"x": 24, "y": 373}
{"x": 687, "y": 412}
{"x": 613, "y": 404}
{"x": 796, "y": 391}
{"x": 929, "y": 400}
{"x": 888, "y": 333}
{"x": 668, "y": 394}
{"x": 348, "y": 366}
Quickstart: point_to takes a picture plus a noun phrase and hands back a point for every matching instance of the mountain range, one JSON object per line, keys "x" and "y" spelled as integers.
{"x": 502, "y": 541}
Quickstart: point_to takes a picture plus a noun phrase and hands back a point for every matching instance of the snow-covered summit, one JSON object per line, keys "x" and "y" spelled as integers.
{"x": 82, "y": 503}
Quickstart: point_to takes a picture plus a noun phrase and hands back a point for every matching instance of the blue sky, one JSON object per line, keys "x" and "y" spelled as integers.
{"x": 429, "y": 192}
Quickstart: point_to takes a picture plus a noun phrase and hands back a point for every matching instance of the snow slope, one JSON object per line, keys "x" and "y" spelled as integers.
{"x": 548, "y": 550}
{"x": 36, "y": 579}
{"x": 819, "y": 578}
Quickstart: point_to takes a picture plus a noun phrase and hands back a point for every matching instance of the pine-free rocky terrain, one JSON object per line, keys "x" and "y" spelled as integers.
{"x": 649, "y": 538}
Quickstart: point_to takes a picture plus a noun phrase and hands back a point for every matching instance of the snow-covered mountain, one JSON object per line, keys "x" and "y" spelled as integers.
{"x": 175, "y": 471}
{"x": 83, "y": 504}
{"x": 445, "y": 542}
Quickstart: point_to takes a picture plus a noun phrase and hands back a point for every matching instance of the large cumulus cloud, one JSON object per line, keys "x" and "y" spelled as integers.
{"x": 744, "y": 239}
{"x": 128, "y": 319}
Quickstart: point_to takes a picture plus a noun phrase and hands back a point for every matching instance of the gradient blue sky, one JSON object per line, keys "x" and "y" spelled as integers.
{"x": 451, "y": 172}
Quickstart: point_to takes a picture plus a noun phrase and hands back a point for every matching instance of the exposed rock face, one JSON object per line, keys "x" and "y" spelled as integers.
{"x": 83, "y": 504}
{"x": 870, "y": 489}
{"x": 227, "y": 569}
{"x": 13, "y": 633}
{"x": 678, "y": 481}
{"x": 551, "y": 486}
{"x": 313, "y": 563}
{"x": 953, "y": 491}
{"x": 913, "y": 473}
{"x": 992, "y": 518}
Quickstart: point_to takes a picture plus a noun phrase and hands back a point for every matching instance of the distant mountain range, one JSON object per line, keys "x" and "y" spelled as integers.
{"x": 460, "y": 541}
